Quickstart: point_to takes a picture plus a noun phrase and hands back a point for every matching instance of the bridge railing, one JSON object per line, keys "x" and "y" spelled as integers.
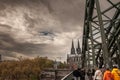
{"x": 68, "y": 77}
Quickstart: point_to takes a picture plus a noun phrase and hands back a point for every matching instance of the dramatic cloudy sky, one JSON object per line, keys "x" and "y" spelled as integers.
{"x": 31, "y": 28}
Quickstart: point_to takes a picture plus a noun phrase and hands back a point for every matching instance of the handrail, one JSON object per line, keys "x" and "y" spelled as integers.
{"x": 68, "y": 76}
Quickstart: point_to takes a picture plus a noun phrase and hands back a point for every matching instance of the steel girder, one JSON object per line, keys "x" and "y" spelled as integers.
{"x": 101, "y": 33}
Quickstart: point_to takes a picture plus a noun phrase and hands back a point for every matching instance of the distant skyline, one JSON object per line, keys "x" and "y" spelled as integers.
{"x": 45, "y": 28}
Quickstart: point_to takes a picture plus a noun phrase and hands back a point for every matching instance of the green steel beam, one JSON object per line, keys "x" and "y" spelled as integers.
{"x": 99, "y": 31}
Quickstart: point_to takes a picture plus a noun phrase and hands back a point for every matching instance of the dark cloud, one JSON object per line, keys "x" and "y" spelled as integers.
{"x": 32, "y": 28}
{"x": 67, "y": 12}
{"x": 9, "y": 45}
{"x": 39, "y": 27}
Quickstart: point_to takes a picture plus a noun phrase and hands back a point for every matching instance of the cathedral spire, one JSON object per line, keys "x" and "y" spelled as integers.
{"x": 78, "y": 44}
{"x": 72, "y": 48}
{"x": 72, "y": 44}
{"x": 78, "y": 48}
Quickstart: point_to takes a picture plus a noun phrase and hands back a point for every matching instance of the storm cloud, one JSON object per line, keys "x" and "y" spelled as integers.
{"x": 31, "y": 28}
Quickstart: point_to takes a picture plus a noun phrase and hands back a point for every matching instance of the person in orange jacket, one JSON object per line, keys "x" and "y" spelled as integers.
{"x": 116, "y": 73}
{"x": 107, "y": 75}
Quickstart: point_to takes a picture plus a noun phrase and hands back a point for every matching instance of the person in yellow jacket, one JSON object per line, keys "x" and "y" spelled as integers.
{"x": 116, "y": 73}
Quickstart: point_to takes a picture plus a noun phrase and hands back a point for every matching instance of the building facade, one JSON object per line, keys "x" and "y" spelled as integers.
{"x": 74, "y": 58}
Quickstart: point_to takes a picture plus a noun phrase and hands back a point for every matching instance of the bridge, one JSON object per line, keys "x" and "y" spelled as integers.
{"x": 101, "y": 34}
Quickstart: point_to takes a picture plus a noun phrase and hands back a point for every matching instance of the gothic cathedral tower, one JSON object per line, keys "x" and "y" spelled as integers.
{"x": 72, "y": 48}
{"x": 74, "y": 58}
{"x": 78, "y": 49}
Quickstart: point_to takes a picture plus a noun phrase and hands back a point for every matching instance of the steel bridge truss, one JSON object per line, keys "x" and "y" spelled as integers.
{"x": 101, "y": 34}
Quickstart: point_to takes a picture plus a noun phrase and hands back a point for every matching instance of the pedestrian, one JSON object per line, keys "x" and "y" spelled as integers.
{"x": 89, "y": 74}
{"x": 76, "y": 74}
{"x": 116, "y": 73}
{"x": 98, "y": 74}
{"x": 107, "y": 75}
{"x": 93, "y": 73}
{"x": 82, "y": 72}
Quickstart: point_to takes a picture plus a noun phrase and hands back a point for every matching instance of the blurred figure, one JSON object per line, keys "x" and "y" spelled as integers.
{"x": 89, "y": 74}
{"x": 98, "y": 74}
{"x": 93, "y": 73}
{"x": 107, "y": 75}
{"x": 116, "y": 73}
{"x": 76, "y": 74}
{"x": 82, "y": 72}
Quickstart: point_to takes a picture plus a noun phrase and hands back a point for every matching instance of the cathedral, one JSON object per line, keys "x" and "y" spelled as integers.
{"x": 74, "y": 58}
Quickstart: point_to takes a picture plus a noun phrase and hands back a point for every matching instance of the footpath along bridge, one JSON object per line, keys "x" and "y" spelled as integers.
{"x": 101, "y": 35}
